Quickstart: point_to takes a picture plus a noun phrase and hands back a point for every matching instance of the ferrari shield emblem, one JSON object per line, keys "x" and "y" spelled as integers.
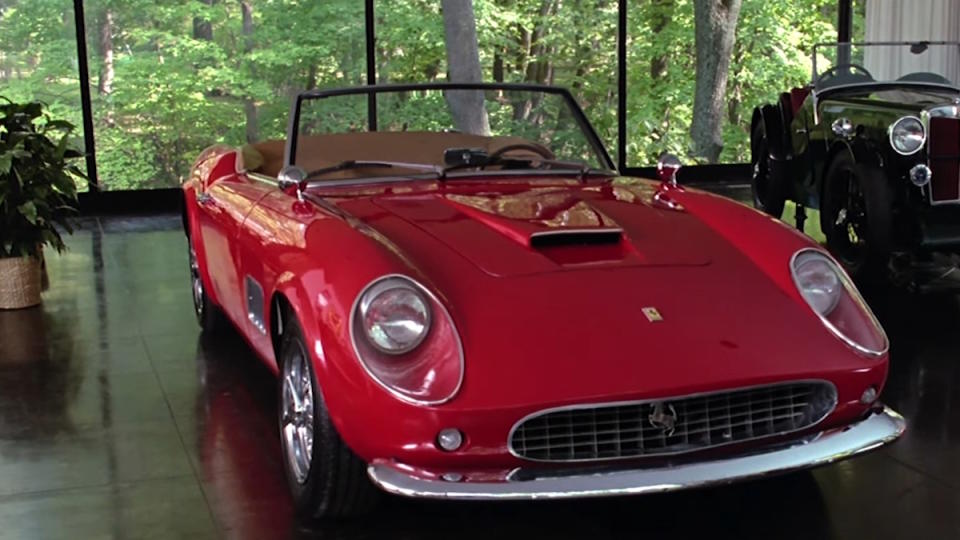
{"x": 652, "y": 314}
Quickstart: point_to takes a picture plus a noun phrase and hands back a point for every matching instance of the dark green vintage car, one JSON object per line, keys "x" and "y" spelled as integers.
{"x": 874, "y": 144}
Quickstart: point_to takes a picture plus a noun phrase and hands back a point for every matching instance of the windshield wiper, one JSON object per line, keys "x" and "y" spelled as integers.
{"x": 359, "y": 164}
{"x": 582, "y": 169}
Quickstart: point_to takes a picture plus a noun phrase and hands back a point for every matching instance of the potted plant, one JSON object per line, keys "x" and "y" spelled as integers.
{"x": 37, "y": 191}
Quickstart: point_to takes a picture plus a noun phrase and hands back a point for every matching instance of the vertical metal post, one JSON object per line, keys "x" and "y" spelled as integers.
{"x": 371, "y": 40}
{"x": 844, "y": 20}
{"x": 622, "y": 85}
{"x": 83, "y": 72}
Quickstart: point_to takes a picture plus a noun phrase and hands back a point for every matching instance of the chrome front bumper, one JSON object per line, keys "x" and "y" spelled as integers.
{"x": 880, "y": 428}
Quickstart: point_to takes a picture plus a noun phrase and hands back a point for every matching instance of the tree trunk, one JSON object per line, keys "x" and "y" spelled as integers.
{"x": 202, "y": 28}
{"x": 662, "y": 14}
{"x": 715, "y": 24}
{"x": 463, "y": 62}
{"x": 105, "y": 83}
{"x": 249, "y": 105}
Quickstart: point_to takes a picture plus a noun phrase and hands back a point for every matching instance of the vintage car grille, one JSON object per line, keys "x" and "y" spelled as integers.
{"x": 944, "y": 154}
{"x": 638, "y": 429}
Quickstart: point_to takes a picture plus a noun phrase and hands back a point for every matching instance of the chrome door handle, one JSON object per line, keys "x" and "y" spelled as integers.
{"x": 204, "y": 199}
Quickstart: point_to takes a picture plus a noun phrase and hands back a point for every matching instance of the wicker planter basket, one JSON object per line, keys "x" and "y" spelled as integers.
{"x": 20, "y": 282}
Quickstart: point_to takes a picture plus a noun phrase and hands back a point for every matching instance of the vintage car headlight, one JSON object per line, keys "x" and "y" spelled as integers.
{"x": 394, "y": 315}
{"x": 406, "y": 340}
{"x": 907, "y": 135}
{"x": 831, "y": 294}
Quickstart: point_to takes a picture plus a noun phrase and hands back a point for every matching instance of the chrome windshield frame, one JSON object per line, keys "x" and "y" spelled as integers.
{"x": 293, "y": 128}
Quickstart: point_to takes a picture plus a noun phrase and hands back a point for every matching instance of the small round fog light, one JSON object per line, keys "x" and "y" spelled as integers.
{"x": 449, "y": 439}
{"x": 451, "y": 477}
{"x": 920, "y": 175}
{"x": 869, "y": 395}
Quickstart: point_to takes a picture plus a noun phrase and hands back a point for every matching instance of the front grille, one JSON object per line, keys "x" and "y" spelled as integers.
{"x": 672, "y": 425}
{"x": 944, "y": 152}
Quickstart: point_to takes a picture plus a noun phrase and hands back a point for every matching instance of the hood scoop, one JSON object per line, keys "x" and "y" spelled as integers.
{"x": 576, "y": 238}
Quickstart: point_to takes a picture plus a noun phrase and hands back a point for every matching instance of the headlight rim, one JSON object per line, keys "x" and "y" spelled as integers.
{"x": 893, "y": 127}
{"x": 432, "y": 299}
{"x": 371, "y": 291}
{"x": 850, "y": 288}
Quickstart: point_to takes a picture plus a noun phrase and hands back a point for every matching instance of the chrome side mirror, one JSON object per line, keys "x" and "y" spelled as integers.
{"x": 667, "y": 168}
{"x": 290, "y": 176}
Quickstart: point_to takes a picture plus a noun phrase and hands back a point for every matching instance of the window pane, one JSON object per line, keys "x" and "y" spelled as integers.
{"x": 771, "y": 54}
{"x": 38, "y": 60}
{"x": 567, "y": 44}
{"x": 171, "y": 78}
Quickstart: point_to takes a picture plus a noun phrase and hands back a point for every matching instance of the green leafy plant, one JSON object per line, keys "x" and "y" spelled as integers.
{"x": 37, "y": 181}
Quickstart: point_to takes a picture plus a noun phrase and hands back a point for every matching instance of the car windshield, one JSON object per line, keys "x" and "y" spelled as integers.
{"x": 481, "y": 130}
{"x": 841, "y": 64}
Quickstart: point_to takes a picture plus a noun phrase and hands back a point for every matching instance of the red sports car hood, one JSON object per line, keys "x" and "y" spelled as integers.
{"x": 636, "y": 301}
{"x": 544, "y": 229}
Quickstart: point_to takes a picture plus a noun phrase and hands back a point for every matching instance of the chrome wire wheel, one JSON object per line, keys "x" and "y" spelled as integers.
{"x": 197, "y": 285}
{"x": 297, "y": 414}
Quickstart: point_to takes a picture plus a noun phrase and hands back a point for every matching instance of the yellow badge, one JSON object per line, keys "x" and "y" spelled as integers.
{"x": 652, "y": 314}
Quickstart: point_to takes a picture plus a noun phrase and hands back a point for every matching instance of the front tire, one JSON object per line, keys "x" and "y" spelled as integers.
{"x": 768, "y": 190}
{"x": 856, "y": 216}
{"x": 326, "y": 479}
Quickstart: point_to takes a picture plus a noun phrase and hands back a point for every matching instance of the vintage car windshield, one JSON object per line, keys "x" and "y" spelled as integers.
{"x": 919, "y": 63}
{"x": 417, "y": 126}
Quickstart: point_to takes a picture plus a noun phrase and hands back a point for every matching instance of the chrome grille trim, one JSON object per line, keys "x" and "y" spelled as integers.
{"x": 599, "y": 432}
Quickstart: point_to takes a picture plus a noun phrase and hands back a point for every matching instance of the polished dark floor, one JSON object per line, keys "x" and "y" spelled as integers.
{"x": 118, "y": 420}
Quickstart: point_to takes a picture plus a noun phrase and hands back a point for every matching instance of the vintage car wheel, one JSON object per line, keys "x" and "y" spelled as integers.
{"x": 855, "y": 216}
{"x": 326, "y": 479}
{"x": 768, "y": 194}
{"x": 208, "y": 314}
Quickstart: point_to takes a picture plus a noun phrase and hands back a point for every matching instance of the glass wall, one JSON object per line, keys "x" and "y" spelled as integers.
{"x": 770, "y": 53}
{"x": 169, "y": 79}
{"x": 38, "y": 59}
{"x": 572, "y": 44}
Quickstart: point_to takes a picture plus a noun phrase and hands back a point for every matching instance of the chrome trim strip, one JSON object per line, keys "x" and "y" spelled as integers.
{"x": 579, "y": 406}
{"x": 856, "y": 297}
{"x": 262, "y": 178}
{"x": 354, "y": 311}
{"x": 875, "y": 431}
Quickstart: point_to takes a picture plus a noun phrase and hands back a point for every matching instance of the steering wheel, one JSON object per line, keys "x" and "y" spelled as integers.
{"x": 834, "y": 71}
{"x": 536, "y": 149}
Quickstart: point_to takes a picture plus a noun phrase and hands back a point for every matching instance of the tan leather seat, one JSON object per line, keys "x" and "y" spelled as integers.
{"x": 319, "y": 151}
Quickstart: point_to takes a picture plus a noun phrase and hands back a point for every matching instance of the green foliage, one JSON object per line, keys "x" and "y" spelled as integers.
{"x": 175, "y": 91}
{"x": 37, "y": 184}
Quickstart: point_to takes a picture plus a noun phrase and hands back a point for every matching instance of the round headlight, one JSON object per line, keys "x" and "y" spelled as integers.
{"x": 833, "y": 297}
{"x": 818, "y": 282}
{"x": 907, "y": 135}
{"x": 394, "y": 315}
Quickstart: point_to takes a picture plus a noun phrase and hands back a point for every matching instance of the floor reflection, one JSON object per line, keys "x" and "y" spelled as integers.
{"x": 117, "y": 419}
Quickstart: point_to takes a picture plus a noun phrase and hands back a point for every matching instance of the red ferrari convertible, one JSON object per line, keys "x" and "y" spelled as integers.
{"x": 463, "y": 300}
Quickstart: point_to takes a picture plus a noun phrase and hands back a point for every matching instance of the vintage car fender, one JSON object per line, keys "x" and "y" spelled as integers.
{"x": 323, "y": 311}
{"x": 768, "y": 247}
{"x": 214, "y": 163}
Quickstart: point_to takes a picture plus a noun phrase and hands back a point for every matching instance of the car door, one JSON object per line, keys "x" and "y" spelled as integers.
{"x": 225, "y": 203}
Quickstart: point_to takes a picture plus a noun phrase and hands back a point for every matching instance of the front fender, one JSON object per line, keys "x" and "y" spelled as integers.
{"x": 766, "y": 241}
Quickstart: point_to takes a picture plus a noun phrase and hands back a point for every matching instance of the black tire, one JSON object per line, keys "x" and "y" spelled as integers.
{"x": 856, "y": 216}
{"x": 334, "y": 483}
{"x": 768, "y": 191}
{"x": 209, "y": 316}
